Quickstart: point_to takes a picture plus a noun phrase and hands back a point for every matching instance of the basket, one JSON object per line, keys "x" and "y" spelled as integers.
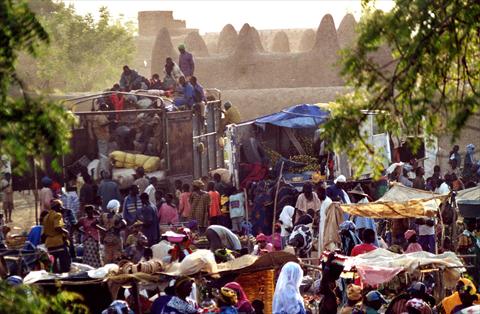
{"x": 259, "y": 286}
{"x": 15, "y": 242}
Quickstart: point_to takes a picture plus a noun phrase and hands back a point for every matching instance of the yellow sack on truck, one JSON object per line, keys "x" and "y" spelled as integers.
{"x": 126, "y": 160}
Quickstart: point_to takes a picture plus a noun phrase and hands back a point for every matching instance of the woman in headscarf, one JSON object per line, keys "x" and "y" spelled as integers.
{"x": 111, "y": 224}
{"x": 464, "y": 286}
{"x": 287, "y": 298}
{"x": 348, "y": 237}
{"x": 243, "y": 304}
{"x": 226, "y": 300}
{"x": 286, "y": 221}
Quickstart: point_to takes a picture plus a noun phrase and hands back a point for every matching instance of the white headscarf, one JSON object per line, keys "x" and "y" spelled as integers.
{"x": 113, "y": 205}
{"x": 286, "y": 217}
{"x": 287, "y": 297}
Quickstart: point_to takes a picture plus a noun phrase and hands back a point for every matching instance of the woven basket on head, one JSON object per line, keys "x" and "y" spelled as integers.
{"x": 259, "y": 286}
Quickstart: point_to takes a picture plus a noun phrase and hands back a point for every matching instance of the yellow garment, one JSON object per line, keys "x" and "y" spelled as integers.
{"x": 450, "y": 302}
{"x": 232, "y": 115}
{"x": 52, "y": 221}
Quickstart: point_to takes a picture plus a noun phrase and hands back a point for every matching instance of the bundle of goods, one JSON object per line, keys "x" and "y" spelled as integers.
{"x": 15, "y": 241}
{"x": 125, "y": 176}
{"x": 147, "y": 267}
{"x": 126, "y": 160}
{"x": 311, "y": 163}
{"x": 259, "y": 286}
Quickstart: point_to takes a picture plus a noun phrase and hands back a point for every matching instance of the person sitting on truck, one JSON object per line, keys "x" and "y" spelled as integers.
{"x": 155, "y": 82}
{"x": 198, "y": 92}
{"x": 232, "y": 115}
{"x": 185, "y": 97}
{"x": 129, "y": 78}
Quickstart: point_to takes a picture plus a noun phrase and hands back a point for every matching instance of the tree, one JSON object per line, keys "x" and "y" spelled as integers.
{"x": 84, "y": 54}
{"x": 432, "y": 85}
{"x": 30, "y": 300}
{"x": 29, "y": 126}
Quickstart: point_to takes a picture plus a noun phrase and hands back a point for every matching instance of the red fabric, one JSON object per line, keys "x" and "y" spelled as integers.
{"x": 214, "y": 204}
{"x": 362, "y": 249}
{"x": 118, "y": 102}
{"x": 256, "y": 172}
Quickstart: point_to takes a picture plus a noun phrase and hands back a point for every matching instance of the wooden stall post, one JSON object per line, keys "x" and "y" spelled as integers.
{"x": 276, "y": 197}
{"x": 211, "y": 139}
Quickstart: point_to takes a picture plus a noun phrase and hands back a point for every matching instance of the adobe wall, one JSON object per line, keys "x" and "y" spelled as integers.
{"x": 150, "y": 22}
{"x": 248, "y": 66}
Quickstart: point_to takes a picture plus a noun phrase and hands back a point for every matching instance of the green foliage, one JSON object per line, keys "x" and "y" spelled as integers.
{"x": 29, "y": 300}
{"x": 29, "y": 127}
{"x": 84, "y": 54}
{"x": 430, "y": 87}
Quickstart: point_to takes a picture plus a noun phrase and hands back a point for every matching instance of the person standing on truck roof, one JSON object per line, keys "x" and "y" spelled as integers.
{"x": 185, "y": 61}
{"x": 129, "y": 78}
{"x": 172, "y": 74}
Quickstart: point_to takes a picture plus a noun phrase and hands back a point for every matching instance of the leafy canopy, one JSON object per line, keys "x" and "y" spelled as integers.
{"x": 29, "y": 126}
{"x": 430, "y": 87}
{"x": 84, "y": 54}
{"x": 30, "y": 300}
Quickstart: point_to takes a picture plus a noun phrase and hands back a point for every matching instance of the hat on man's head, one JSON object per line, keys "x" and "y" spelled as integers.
{"x": 374, "y": 295}
{"x": 341, "y": 178}
{"x": 358, "y": 190}
{"x": 181, "y": 47}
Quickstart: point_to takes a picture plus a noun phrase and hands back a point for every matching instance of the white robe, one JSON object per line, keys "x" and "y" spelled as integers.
{"x": 323, "y": 214}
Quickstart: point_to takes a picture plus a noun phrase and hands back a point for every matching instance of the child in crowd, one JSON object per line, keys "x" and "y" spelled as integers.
{"x": 237, "y": 210}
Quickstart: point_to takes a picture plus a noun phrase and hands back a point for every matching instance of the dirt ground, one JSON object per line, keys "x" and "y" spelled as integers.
{"x": 23, "y": 215}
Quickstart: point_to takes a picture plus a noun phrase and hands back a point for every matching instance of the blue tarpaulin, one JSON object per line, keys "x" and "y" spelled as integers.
{"x": 296, "y": 117}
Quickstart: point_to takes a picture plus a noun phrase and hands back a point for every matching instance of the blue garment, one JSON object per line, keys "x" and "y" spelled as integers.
{"x": 150, "y": 224}
{"x": 187, "y": 99}
{"x": 35, "y": 235}
{"x": 228, "y": 310}
{"x": 301, "y": 311}
{"x": 259, "y": 213}
{"x": 336, "y": 193}
{"x": 108, "y": 190}
{"x": 132, "y": 207}
{"x": 71, "y": 201}
{"x": 69, "y": 219}
{"x": 159, "y": 304}
{"x": 198, "y": 93}
{"x": 186, "y": 63}
{"x": 366, "y": 223}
